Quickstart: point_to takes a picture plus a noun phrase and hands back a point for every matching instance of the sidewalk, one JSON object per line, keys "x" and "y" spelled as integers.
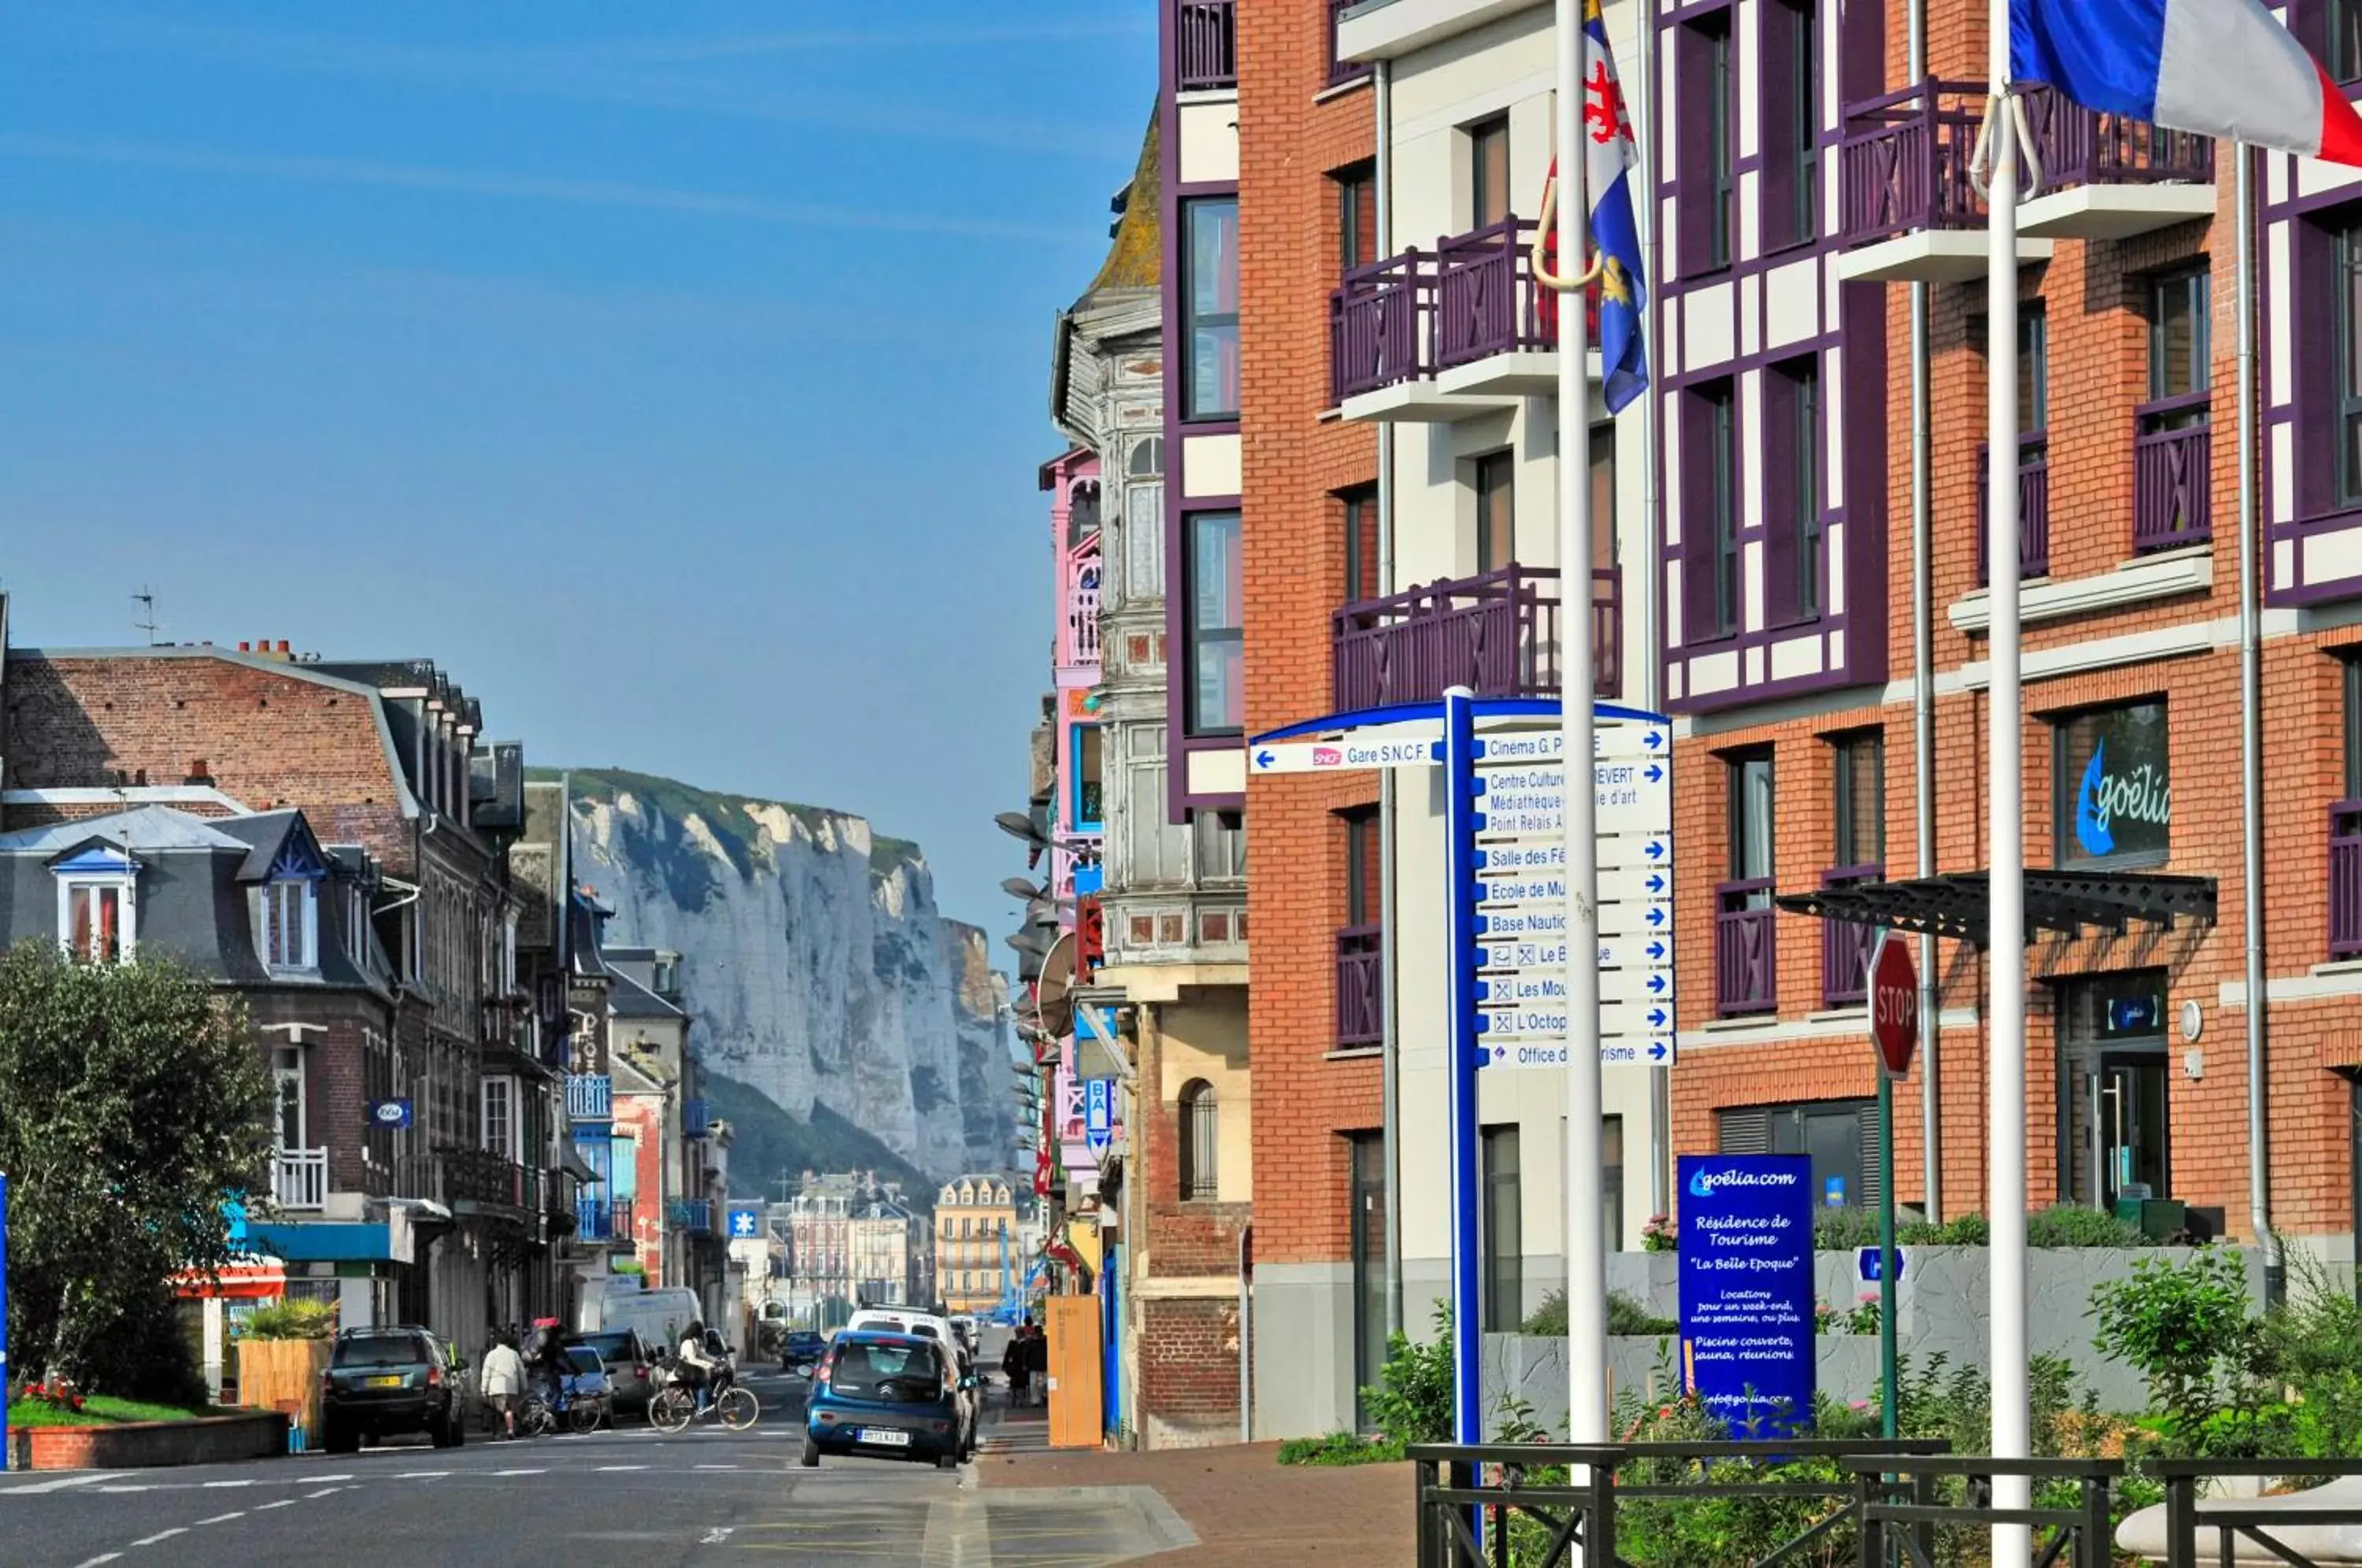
{"x": 1244, "y": 1506}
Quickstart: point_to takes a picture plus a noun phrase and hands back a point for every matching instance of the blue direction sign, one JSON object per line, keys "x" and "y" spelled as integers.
{"x": 746, "y": 1222}
{"x": 389, "y": 1113}
{"x": 1098, "y": 1114}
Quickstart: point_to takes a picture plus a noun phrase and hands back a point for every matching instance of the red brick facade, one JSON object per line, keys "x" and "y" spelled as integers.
{"x": 1295, "y": 136}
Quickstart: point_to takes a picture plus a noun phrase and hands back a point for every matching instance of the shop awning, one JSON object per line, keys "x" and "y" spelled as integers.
{"x": 324, "y": 1243}
{"x": 1959, "y": 905}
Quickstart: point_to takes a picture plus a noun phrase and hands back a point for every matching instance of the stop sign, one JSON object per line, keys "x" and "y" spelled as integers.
{"x": 1894, "y": 1003}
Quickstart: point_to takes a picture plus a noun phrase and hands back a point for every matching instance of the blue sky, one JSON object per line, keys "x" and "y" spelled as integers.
{"x": 675, "y": 375}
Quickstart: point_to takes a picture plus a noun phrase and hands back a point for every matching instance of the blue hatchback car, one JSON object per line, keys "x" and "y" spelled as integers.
{"x": 885, "y": 1397}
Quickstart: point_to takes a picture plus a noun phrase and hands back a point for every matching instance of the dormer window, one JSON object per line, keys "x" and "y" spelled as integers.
{"x": 98, "y": 904}
{"x": 287, "y": 923}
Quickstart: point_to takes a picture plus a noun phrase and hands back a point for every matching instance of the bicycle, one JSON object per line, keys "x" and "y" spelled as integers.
{"x": 675, "y": 1407}
{"x": 538, "y": 1417}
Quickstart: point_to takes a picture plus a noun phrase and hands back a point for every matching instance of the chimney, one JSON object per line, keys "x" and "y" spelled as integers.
{"x": 282, "y": 648}
{"x": 242, "y": 647}
{"x": 198, "y": 777}
{"x": 140, "y": 778}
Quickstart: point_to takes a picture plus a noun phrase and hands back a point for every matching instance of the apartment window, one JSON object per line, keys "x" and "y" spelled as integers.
{"x": 2350, "y": 681}
{"x": 1089, "y": 807}
{"x": 1211, "y": 302}
{"x": 1359, "y": 509}
{"x": 1839, "y": 1136}
{"x": 287, "y": 923}
{"x": 1144, "y": 520}
{"x": 1362, "y": 867}
{"x": 1859, "y": 798}
{"x": 1488, "y": 171}
{"x": 1082, "y": 511}
{"x": 1751, "y": 818}
{"x": 1790, "y": 123}
{"x": 2343, "y": 21}
{"x": 1706, "y": 139}
{"x": 1792, "y": 443}
{"x": 287, "y": 1092}
{"x": 1357, "y": 216}
{"x": 2033, "y": 370}
{"x": 1200, "y": 1148}
{"x": 1710, "y": 523}
{"x": 500, "y": 1116}
{"x": 1221, "y": 846}
{"x": 1501, "y": 1284}
{"x": 1151, "y": 848}
{"x": 97, "y": 917}
{"x": 1494, "y": 476}
{"x": 2181, "y": 336}
{"x": 2110, "y": 786}
{"x": 2346, "y": 387}
{"x": 1217, "y": 626}
{"x": 1603, "y": 495}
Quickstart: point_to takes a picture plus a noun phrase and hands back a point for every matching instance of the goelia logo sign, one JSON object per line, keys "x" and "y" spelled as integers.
{"x": 2104, "y": 798}
{"x": 1703, "y": 1182}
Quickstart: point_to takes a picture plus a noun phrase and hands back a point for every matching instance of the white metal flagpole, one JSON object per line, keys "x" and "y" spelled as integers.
{"x": 1586, "y": 1235}
{"x": 2005, "y": 818}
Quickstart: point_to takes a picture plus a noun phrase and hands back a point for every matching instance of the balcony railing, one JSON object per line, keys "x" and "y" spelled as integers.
{"x": 1083, "y": 606}
{"x": 2173, "y": 474}
{"x": 299, "y": 1178}
{"x": 1497, "y": 635}
{"x": 1746, "y": 978}
{"x": 2033, "y": 506}
{"x": 590, "y": 1097}
{"x": 1845, "y": 947}
{"x": 1361, "y": 990}
{"x": 1471, "y": 297}
{"x": 1903, "y": 164}
{"x": 1205, "y": 44}
{"x": 694, "y": 1215}
{"x": 695, "y": 1118}
{"x": 2345, "y": 880}
{"x": 598, "y": 1218}
{"x": 1342, "y": 71}
{"x": 479, "y": 1176}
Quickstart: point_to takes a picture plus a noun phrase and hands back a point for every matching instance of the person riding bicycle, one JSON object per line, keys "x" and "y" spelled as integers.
{"x": 697, "y": 1366}
{"x": 546, "y": 1361}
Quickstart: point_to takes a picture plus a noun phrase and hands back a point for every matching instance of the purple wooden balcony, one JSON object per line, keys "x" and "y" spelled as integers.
{"x": 2033, "y": 507}
{"x": 1903, "y": 164}
{"x": 1342, "y": 71}
{"x": 1497, "y": 635}
{"x": 1378, "y": 327}
{"x": 2083, "y": 147}
{"x": 2173, "y": 473}
{"x": 1360, "y": 991}
{"x": 1486, "y": 299}
{"x": 2345, "y": 880}
{"x": 1845, "y": 947}
{"x": 1746, "y": 978}
{"x": 1205, "y": 44}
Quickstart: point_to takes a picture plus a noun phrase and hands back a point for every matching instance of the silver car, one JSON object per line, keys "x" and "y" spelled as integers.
{"x": 631, "y": 1366}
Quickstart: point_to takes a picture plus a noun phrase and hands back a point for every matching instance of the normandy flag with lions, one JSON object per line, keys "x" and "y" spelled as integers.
{"x": 1609, "y": 157}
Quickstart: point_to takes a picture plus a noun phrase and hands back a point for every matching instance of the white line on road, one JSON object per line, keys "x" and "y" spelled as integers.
{"x": 717, "y": 1535}
{"x": 161, "y": 1535}
{"x": 422, "y": 1476}
{"x": 218, "y": 1484}
{"x": 343, "y": 1478}
{"x": 94, "y": 1561}
{"x": 543, "y": 1472}
{"x": 119, "y": 1490}
{"x": 58, "y": 1485}
{"x": 281, "y": 1503}
{"x": 328, "y": 1492}
{"x": 717, "y": 1467}
{"x": 223, "y": 1519}
{"x": 612, "y": 1469}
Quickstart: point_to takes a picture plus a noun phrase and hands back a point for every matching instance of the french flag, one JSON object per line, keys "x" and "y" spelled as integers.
{"x": 2221, "y": 68}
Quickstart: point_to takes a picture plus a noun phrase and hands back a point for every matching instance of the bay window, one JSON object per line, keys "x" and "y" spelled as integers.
{"x": 1216, "y": 627}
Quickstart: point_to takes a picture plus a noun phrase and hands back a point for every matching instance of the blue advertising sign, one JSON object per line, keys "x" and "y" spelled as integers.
{"x": 1746, "y": 1289}
{"x": 389, "y": 1113}
{"x": 1098, "y": 1114}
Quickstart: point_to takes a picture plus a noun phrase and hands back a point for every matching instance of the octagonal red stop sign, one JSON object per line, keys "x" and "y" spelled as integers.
{"x": 1894, "y": 1003}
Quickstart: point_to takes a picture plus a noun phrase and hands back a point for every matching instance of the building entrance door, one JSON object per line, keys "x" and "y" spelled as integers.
{"x": 2115, "y": 1090}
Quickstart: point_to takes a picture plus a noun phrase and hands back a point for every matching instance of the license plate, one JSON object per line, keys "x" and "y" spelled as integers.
{"x": 884, "y": 1437}
{"x": 384, "y": 1381}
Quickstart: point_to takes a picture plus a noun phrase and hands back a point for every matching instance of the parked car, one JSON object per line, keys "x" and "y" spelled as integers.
{"x": 933, "y": 1326}
{"x": 589, "y": 1384}
{"x": 889, "y": 1395}
{"x": 803, "y": 1350}
{"x": 631, "y": 1363}
{"x": 385, "y": 1382}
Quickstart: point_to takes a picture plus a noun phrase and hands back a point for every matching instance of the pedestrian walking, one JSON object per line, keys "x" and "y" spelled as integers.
{"x": 1014, "y": 1366}
{"x": 502, "y": 1380}
{"x": 1037, "y": 1364}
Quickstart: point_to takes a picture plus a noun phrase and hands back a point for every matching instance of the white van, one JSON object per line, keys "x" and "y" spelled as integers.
{"x": 658, "y": 1316}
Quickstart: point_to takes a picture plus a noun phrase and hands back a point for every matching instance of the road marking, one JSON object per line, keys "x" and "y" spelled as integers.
{"x": 281, "y": 1503}
{"x": 211, "y": 1485}
{"x": 161, "y": 1535}
{"x": 716, "y": 1535}
{"x": 94, "y": 1561}
{"x": 328, "y": 1492}
{"x": 612, "y": 1469}
{"x": 543, "y": 1472}
{"x": 716, "y": 1467}
{"x": 223, "y": 1519}
{"x": 422, "y": 1476}
{"x": 346, "y": 1477}
{"x": 120, "y": 1490}
{"x": 38, "y": 1487}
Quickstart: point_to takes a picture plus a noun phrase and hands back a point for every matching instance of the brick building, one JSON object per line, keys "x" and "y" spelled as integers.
{"x": 385, "y": 758}
{"x": 1788, "y": 588}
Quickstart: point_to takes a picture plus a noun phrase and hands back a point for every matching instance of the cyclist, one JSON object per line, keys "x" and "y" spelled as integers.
{"x": 697, "y": 1365}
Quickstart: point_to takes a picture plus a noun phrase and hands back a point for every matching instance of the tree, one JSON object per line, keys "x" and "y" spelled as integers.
{"x": 133, "y": 1103}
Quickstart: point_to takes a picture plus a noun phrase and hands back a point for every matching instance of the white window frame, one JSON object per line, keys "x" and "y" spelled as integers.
{"x": 287, "y": 1067}
{"x": 305, "y": 925}
{"x": 497, "y": 1105}
{"x": 126, "y": 888}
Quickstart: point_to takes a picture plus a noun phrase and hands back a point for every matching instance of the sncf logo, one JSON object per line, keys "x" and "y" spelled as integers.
{"x": 1328, "y": 756}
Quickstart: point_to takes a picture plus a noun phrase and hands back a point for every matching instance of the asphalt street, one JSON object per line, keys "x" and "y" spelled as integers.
{"x": 632, "y": 1496}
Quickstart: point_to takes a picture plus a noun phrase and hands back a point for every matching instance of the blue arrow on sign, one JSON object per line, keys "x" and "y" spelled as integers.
{"x": 1655, "y": 883}
{"x": 1265, "y": 759}
{"x": 1657, "y": 1053}
{"x": 1656, "y": 984}
{"x": 1655, "y": 775}
{"x": 1656, "y": 850}
{"x": 1656, "y": 1018}
{"x": 1656, "y": 950}
{"x": 1653, "y": 739}
{"x": 1656, "y": 914}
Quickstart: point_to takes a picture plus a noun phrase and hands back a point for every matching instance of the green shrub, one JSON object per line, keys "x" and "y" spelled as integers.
{"x": 1338, "y": 1449}
{"x": 291, "y": 1320}
{"x": 2312, "y": 1348}
{"x": 1412, "y": 1400}
{"x": 2073, "y": 1225}
{"x": 1844, "y": 1229}
{"x": 2189, "y": 1330}
{"x": 1965, "y": 1231}
{"x": 1626, "y": 1316}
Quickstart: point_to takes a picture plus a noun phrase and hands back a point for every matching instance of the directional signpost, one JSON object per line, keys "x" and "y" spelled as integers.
{"x": 1894, "y": 1030}
{"x": 1098, "y": 1114}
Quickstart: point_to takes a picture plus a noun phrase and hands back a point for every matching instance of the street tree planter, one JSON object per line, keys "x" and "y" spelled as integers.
{"x": 285, "y": 1375}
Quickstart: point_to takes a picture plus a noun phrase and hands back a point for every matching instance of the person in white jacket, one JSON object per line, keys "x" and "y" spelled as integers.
{"x": 502, "y": 1380}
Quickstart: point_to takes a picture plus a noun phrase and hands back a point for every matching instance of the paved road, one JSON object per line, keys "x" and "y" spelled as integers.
{"x": 633, "y": 1497}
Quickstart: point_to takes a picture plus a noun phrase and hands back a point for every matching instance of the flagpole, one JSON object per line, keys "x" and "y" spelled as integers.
{"x": 2005, "y": 1080}
{"x": 1587, "y": 1240}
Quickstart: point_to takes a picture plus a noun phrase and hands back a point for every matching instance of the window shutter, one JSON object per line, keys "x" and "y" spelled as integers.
{"x": 1866, "y": 1116}
{"x": 1747, "y": 1130}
